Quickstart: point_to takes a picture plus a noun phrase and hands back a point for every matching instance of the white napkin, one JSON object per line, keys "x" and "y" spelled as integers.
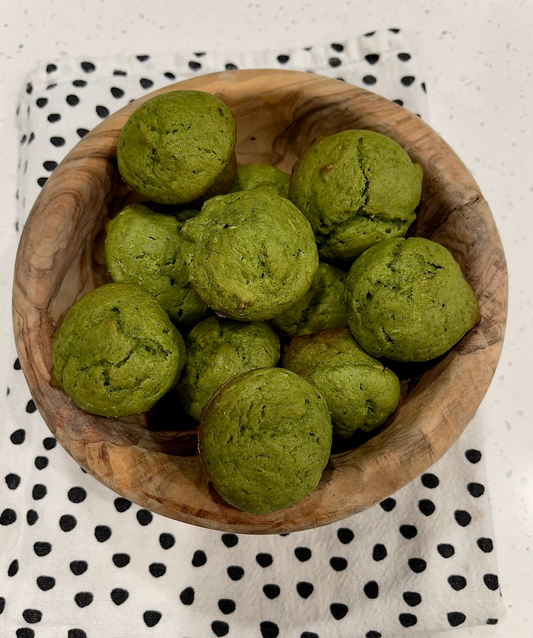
{"x": 77, "y": 561}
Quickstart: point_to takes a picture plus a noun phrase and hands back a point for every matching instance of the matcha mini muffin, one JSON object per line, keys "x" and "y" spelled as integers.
{"x": 178, "y": 147}
{"x": 356, "y": 188}
{"x": 219, "y": 349}
{"x": 117, "y": 352}
{"x": 265, "y": 439}
{"x": 142, "y": 247}
{"x": 250, "y": 255}
{"x": 408, "y": 300}
{"x": 322, "y": 307}
{"x": 360, "y": 392}
{"x": 251, "y": 176}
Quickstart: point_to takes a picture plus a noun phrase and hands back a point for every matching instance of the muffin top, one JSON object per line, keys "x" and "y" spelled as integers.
{"x": 249, "y": 255}
{"x": 251, "y": 176}
{"x": 265, "y": 440}
{"x": 176, "y": 147}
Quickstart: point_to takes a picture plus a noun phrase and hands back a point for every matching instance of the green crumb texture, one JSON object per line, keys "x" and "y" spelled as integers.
{"x": 356, "y": 188}
{"x": 360, "y": 392}
{"x": 178, "y": 147}
{"x": 265, "y": 439}
{"x": 142, "y": 247}
{"x": 219, "y": 349}
{"x": 117, "y": 352}
{"x": 408, "y": 300}
{"x": 250, "y": 255}
{"x": 252, "y": 176}
{"x": 322, "y": 307}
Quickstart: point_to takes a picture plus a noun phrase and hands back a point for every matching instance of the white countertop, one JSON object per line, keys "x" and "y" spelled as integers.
{"x": 478, "y": 72}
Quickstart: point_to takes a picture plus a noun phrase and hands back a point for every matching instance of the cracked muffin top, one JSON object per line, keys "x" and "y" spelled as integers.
{"x": 178, "y": 147}
{"x": 117, "y": 352}
{"x": 408, "y": 300}
{"x": 356, "y": 188}
{"x": 250, "y": 255}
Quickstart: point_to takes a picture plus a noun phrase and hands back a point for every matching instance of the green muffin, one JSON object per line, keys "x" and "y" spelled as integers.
{"x": 408, "y": 300}
{"x": 322, "y": 307}
{"x": 178, "y": 147}
{"x": 251, "y": 176}
{"x": 360, "y": 392}
{"x": 250, "y": 255}
{"x": 117, "y": 352}
{"x": 265, "y": 439}
{"x": 219, "y": 349}
{"x": 142, "y": 247}
{"x": 356, "y": 188}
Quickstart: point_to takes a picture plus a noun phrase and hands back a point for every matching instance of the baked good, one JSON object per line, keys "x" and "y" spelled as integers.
{"x": 142, "y": 247}
{"x": 265, "y": 439}
{"x": 360, "y": 392}
{"x": 322, "y": 307}
{"x": 251, "y": 176}
{"x": 408, "y": 300}
{"x": 178, "y": 147}
{"x": 250, "y": 255}
{"x": 219, "y": 349}
{"x": 117, "y": 352}
{"x": 356, "y": 188}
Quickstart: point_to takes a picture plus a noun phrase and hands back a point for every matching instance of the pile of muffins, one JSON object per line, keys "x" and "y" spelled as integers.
{"x": 263, "y": 304}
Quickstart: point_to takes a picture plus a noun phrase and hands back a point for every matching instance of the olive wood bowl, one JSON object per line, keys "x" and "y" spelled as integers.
{"x": 278, "y": 114}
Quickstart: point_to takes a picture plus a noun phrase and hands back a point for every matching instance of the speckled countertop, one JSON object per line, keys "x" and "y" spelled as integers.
{"x": 478, "y": 70}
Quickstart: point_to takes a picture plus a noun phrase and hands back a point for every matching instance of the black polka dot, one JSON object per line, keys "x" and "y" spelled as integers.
{"x": 308, "y": 634}
{"x": 457, "y": 582}
{"x": 235, "y": 572}
{"x": 119, "y": 595}
{"x": 17, "y": 365}
{"x": 265, "y": 560}
{"x": 429, "y": 480}
{"x": 57, "y": 141}
{"x": 337, "y": 47}
{"x": 187, "y": 596}
{"x": 283, "y": 59}
{"x": 407, "y": 620}
{"x": 399, "y": 102}
{"x": 334, "y": 62}
{"x": 42, "y": 102}
{"x": 146, "y": 83}
{"x": 426, "y": 506}
{"x": 372, "y": 58}
{"x": 157, "y": 570}
{"x": 169, "y": 75}
{"x": 231, "y": 67}
{"x": 345, "y": 535}
{"x": 82, "y": 132}
{"x": 485, "y": 544}
{"x": 41, "y": 462}
{"x": 49, "y": 165}
{"x": 12, "y": 481}
{"x": 13, "y": 568}
{"x": 18, "y": 437}
{"x": 42, "y": 548}
{"x": 303, "y": 554}
{"x": 194, "y": 65}
{"x": 369, "y": 79}
{"x": 271, "y": 591}
{"x": 116, "y": 92}
{"x": 88, "y": 67}
{"x": 54, "y": 117}
{"x": 32, "y": 616}
{"x": 45, "y": 583}
{"x": 372, "y": 634}
{"x": 166, "y": 540}
{"x": 102, "y": 533}
{"x": 476, "y": 489}
{"x": 144, "y": 517}
{"x": 29, "y": 88}
{"x": 446, "y": 550}
{"x": 121, "y": 560}
{"x": 226, "y": 605}
{"x": 412, "y": 598}
{"x": 404, "y": 57}
{"x": 492, "y": 621}
{"x": 269, "y": 629}
{"x": 102, "y": 111}
{"x": 8, "y": 516}
{"x": 338, "y": 610}
{"x": 42, "y": 181}
{"x": 407, "y": 80}
{"x": 122, "y": 504}
{"x": 230, "y": 540}
{"x": 51, "y": 68}
{"x": 491, "y": 581}
{"x": 73, "y": 100}
{"x": 220, "y": 628}
{"x": 67, "y": 522}
{"x": 423, "y": 87}
{"x": 78, "y": 567}
{"x": 76, "y": 633}
{"x": 2, "y": 604}
{"x": 371, "y": 589}
{"x": 79, "y": 83}
{"x": 49, "y": 443}
{"x": 379, "y": 552}
{"x": 408, "y": 531}
{"x": 32, "y": 517}
{"x": 83, "y": 598}
{"x": 119, "y": 72}
{"x": 338, "y": 563}
{"x": 77, "y": 494}
{"x": 151, "y": 618}
{"x": 388, "y": 504}
{"x": 474, "y": 456}
{"x": 25, "y": 632}
{"x": 463, "y": 518}
{"x": 304, "y": 588}
{"x": 199, "y": 559}
{"x": 456, "y": 618}
{"x": 417, "y": 565}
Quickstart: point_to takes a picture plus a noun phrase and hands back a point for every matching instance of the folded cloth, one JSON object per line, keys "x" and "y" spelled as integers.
{"x": 78, "y": 561}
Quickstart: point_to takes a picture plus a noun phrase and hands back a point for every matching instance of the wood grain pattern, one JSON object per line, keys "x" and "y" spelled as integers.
{"x": 278, "y": 114}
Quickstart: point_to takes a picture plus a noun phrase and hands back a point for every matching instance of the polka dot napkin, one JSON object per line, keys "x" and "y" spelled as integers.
{"x": 78, "y": 561}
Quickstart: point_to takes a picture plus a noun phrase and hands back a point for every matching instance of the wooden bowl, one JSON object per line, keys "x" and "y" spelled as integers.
{"x": 278, "y": 114}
